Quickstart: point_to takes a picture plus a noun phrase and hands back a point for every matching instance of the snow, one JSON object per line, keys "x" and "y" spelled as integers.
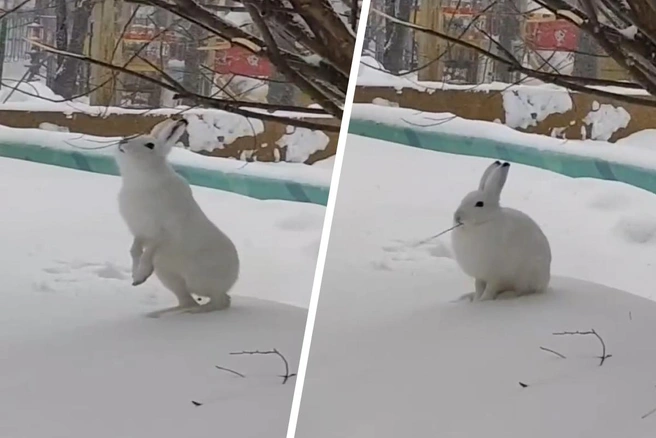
{"x": 605, "y": 120}
{"x": 370, "y": 75}
{"x": 301, "y": 143}
{"x": 80, "y": 357}
{"x": 527, "y": 107}
{"x": 328, "y": 163}
{"x": 642, "y": 139}
{"x": 213, "y": 131}
{"x": 313, "y": 59}
{"x": 15, "y": 91}
{"x": 392, "y": 353}
{"x": 47, "y": 126}
{"x": 629, "y": 32}
{"x": 74, "y": 142}
{"x": 629, "y": 153}
{"x": 239, "y": 19}
{"x": 24, "y": 102}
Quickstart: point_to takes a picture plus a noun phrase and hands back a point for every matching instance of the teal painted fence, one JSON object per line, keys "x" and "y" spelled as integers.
{"x": 567, "y": 164}
{"x": 248, "y": 185}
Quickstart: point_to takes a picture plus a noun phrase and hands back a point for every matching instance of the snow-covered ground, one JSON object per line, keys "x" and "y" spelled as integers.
{"x": 394, "y": 355}
{"x": 80, "y": 359}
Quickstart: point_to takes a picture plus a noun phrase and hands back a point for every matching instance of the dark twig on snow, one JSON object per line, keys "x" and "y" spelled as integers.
{"x": 195, "y": 403}
{"x": 603, "y": 356}
{"x": 648, "y": 413}
{"x": 286, "y": 376}
{"x": 236, "y": 373}
{"x": 523, "y": 385}
{"x": 562, "y": 356}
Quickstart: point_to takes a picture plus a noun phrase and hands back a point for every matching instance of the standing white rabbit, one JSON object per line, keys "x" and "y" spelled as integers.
{"x": 503, "y": 249}
{"x": 172, "y": 235}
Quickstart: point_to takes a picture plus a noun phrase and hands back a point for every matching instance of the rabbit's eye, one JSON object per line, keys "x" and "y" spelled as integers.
{"x": 479, "y": 204}
{"x": 150, "y": 145}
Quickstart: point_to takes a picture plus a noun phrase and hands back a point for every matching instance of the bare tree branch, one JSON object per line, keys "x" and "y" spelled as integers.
{"x": 584, "y": 85}
{"x": 225, "y": 105}
{"x": 280, "y": 62}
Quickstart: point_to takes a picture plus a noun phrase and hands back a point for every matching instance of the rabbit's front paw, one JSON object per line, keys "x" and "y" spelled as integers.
{"x": 141, "y": 274}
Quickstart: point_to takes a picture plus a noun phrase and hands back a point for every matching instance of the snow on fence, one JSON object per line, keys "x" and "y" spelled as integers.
{"x": 210, "y": 132}
{"x": 542, "y": 153}
{"x": 541, "y": 109}
{"x": 287, "y": 181}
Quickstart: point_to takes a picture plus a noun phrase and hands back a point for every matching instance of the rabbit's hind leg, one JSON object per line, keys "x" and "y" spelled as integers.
{"x": 176, "y": 284}
{"x": 490, "y": 292}
{"x": 480, "y": 286}
{"x": 473, "y": 296}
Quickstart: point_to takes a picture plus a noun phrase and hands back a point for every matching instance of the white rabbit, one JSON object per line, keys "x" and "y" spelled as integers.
{"x": 172, "y": 235}
{"x": 503, "y": 249}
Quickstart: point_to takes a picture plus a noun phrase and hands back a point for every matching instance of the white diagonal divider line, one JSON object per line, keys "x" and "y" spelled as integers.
{"x": 327, "y": 222}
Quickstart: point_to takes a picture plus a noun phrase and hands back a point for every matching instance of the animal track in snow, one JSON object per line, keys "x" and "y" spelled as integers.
{"x": 411, "y": 251}
{"x": 298, "y": 222}
{"x": 71, "y": 271}
{"x": 638, "y": 230}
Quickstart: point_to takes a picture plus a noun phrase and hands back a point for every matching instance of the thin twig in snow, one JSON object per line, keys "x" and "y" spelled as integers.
{"x": 554, "y": 352}
{"x": 236, "y": 373}
{"x": 286, "y": 376}
{"x": 648, "y": 413}
{"x": 603, "y": 356}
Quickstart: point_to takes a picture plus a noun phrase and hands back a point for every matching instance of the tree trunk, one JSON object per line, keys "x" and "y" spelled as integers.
{"x": 586, "y": 65}
{"x": 390, "y": 59}
{"x": 397, "y": 36}
{"x": 61, "y": 33}
{"x": 65, "y": 83}
{"x": 281, "y": 91}
{"x": 509, "y": 33}
{"x": 192, "y": 78}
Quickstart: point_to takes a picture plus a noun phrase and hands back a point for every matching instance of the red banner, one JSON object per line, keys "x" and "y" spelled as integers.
{"x": 553, "y": 35}
{"x": 239, "y": 61}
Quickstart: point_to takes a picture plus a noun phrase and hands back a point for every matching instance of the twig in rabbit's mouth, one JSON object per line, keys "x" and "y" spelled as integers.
{"x": 421, "y": 242}
{"x": 107, "y": 144}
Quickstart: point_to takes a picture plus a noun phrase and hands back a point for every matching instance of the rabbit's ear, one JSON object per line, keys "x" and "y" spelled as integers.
{"x": 160, "y": 127}
{"x": 487, "y": 173}
{"x": 496, "y": 181}
{"x": 169, "y": 131}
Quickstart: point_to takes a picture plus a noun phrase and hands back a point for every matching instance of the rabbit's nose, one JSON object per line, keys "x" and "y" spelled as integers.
{"x": 457, "y": 218}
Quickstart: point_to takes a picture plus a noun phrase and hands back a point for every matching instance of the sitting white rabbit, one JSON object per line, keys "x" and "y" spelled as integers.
{"x": 503, "y": 249}
{"x": 172, "y": 235}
